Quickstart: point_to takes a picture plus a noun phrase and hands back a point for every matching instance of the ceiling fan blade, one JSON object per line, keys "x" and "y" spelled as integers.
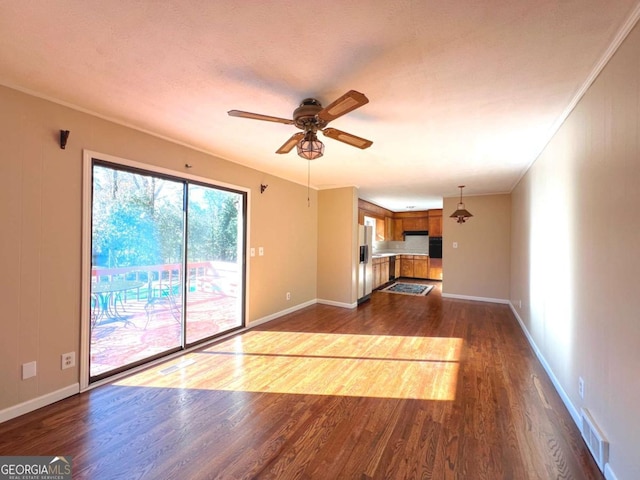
{"x": 292, "y": 142}
{"x": 258, "y": 116}
{"x": 345, "y": 104}
{"x": 348, "y": 138}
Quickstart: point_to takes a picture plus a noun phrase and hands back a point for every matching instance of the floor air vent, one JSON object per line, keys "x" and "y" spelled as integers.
{"x": 596, "y": 442}
{"x": 179, "y": 366}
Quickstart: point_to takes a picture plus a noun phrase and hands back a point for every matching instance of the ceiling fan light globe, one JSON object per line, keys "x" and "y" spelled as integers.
{"x": 310, "y": 147}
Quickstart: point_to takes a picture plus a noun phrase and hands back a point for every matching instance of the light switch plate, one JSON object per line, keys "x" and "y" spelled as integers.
{"x": 253, "y": 251}
{"x": 260, "y": 251}
{"x": 455, "y": 244}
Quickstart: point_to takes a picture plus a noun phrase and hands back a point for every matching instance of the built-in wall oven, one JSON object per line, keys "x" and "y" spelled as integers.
{"x": 435, "y": 247}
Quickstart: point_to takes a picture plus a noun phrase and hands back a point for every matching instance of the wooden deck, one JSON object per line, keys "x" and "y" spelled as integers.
{"x": 401, "y": 387}
{"x": 142, "y": 332}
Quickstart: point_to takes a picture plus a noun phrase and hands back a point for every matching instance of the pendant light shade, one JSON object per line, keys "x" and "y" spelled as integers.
{"x": 461, "y": 213}
{"x": 310, "y": 147}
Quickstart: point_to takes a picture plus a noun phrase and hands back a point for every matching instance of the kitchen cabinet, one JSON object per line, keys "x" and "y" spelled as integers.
{"x": 406, "y": 266}
{"x": 388, "y": 228}
{"x": 435, "y": 269}
{"x": 420, "y": 267}
{"x": 380, "y": 271}
{"x": 376, "y": 274}
{"x": 398, "y": 228}
{"x": 414, "y": 224}
{"x": 384, "y": 271}
{"x": 435, "y": 222}
{"x": 379, "y": 234}
{"x": 397, "y": 271}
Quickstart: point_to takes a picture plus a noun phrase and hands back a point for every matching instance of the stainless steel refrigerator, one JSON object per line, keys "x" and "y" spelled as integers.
{"x": 365, "y": 268}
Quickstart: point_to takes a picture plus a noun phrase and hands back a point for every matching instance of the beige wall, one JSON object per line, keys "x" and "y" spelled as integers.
{"x": 479, "y": 267}
{"x": 576, "y": 258}
{"x": 337, "y": 246}
{"x": 40, "y": 220}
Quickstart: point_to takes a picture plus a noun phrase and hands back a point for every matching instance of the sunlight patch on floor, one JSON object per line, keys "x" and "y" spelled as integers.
{"x": 384, "y": 366}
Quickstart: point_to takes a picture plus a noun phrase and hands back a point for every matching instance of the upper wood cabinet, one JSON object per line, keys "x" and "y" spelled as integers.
{"x": 435, "y": 223}
{"x": 383, "y": 217}
{"x": 388, "y": 228}
{"x": 391, "y": 225}
{"x": 379, "y": 233}
{"x": 413, "y": 224}
{"x": 398, "y": 228}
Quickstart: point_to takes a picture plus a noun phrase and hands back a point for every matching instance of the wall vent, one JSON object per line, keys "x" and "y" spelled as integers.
{"x": 595, "y": 440}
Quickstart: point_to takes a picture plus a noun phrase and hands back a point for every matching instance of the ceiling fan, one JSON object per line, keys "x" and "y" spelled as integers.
{"x": 310, "y": 117}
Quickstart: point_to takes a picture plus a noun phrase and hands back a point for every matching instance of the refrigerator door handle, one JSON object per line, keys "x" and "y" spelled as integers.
{"x": 364, "y": 253}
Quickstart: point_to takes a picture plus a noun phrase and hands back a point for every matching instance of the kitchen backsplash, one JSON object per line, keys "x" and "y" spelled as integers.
{"x": 413, "y": 244}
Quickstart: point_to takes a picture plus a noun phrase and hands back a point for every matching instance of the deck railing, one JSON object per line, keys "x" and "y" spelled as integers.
{"x": 158, "y": 280}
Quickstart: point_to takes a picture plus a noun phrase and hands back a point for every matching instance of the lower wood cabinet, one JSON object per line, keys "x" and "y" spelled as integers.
{"x": 416, "y": 266}
{"x": 420, "y": 267}
{"x": 380, "y": 271}
{"x": 406, "y": 266}
{"x": 376, "y": 274}
{"x": 435, "y": 268}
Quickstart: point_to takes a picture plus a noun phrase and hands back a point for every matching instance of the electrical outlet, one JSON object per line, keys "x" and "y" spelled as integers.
{"x": 68, "y": 360}
{"x": 581, "y": 387}
{"x": 288, "y": 295}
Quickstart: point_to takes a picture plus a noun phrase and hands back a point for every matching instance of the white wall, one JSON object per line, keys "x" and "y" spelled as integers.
{"x": 575, "y": 258}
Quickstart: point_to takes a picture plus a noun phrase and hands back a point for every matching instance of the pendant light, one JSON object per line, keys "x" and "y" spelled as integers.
{"x": 461, "y": 213}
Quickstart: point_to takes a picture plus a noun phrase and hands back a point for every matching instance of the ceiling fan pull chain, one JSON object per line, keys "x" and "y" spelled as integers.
{"x": 308, "y": 182}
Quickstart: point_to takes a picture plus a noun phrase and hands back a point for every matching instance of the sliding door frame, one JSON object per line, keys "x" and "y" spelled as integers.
{"x": 87, "y": 187}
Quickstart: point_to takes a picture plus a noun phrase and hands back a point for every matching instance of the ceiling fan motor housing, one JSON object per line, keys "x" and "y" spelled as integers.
{"x": 305, "y": 116}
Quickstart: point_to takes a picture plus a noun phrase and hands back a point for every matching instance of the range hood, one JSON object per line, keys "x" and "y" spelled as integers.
{"x": 415, "y": 232}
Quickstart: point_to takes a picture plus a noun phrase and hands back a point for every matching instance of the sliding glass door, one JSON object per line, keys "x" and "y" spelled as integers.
{"x": 167, "y": 265}
{"x": 214, "y": 300}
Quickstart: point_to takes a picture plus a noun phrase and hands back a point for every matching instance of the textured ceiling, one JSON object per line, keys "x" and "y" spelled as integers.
{"x": 462, "y": 92}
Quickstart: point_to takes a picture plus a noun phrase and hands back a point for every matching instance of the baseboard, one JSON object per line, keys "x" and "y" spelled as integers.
{"x": 338, "y": 304}
{"x": 477, "y": 299}
{"x": 608, "y": 473}
{"x": 573, "y": 411}
{"x": 281, "y": 313}
{"x": 36, "y": 403}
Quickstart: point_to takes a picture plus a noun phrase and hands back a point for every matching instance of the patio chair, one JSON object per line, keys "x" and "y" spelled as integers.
{"x": 169, "y": 299}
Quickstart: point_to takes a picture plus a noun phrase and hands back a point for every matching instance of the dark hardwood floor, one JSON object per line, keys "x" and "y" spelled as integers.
{"x": 401, "y": 387}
